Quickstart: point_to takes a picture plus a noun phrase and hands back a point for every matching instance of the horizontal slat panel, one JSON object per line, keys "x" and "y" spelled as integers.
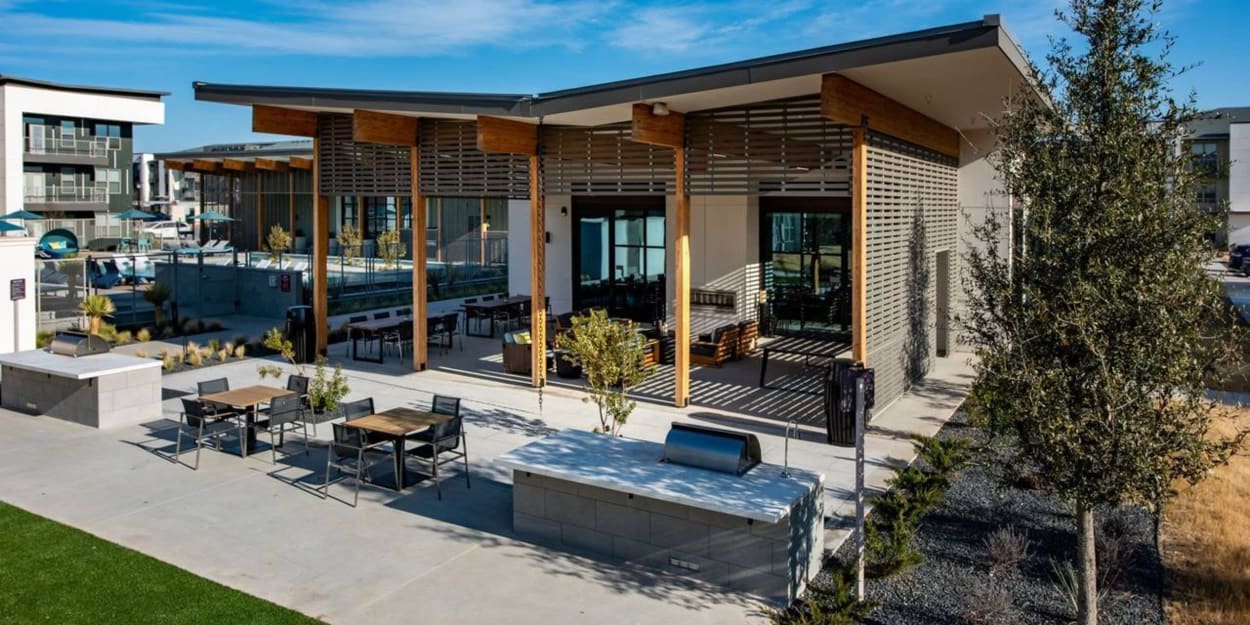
{"x": 349, "y": 168}
{"x": 451, "y": 164}
{"x": 603, "y": 160}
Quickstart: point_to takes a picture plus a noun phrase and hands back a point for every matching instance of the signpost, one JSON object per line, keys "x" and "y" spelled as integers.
{"x": 17, "y": 293}
{"x": 859, "y": 486}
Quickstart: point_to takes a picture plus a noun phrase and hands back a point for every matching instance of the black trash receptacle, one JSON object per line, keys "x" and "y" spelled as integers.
{"x": 840, "y": 403}
{"x": 301, "y": 330}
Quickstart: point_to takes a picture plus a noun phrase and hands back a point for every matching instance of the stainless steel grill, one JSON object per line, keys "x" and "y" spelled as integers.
{"x": 70, "y": 343}
{"x": 711, "y": 448}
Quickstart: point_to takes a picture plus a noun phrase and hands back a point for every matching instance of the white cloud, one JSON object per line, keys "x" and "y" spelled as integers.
{"x": 360, "y": 28}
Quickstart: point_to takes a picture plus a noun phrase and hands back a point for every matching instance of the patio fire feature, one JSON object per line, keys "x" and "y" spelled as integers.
{"x": 746, "y": 526}
{"x": 79, "y": 380}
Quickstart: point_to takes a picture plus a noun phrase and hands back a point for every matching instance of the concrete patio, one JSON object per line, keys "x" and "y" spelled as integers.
{"x": 397, "y": 558}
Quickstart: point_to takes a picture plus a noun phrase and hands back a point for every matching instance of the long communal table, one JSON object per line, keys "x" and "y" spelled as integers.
{"x": 824, "y": 347}
{"x": 372, "y": 330}
{"x": 487, "y": 310}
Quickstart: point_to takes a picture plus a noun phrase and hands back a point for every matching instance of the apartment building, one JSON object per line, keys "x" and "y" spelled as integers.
{"x": 1219, "y": 143}
{"x": 67, "y": 149}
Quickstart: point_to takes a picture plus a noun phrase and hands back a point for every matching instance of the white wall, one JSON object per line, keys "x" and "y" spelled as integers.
{"x": 17, "y": 260}
{"x": 1239, "y": 183}
{"x": 559, "y": 251}
{"x": 724, "y": 255}
{"x": 980, "y": 194}
{"x": 21, "y": 99}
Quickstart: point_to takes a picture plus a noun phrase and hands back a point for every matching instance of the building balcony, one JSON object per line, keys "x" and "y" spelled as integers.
{"x": 54, "y": 198}
{"x": 52, "y": 147}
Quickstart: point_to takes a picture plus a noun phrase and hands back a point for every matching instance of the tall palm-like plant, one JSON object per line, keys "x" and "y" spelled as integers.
{"x": 96, "y": 307}
{"x": 156, "y": 295}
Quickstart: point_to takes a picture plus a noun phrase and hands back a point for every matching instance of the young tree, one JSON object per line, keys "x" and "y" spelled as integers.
{"x": 612, "y": 359}
{"x": 1097, "y": 334}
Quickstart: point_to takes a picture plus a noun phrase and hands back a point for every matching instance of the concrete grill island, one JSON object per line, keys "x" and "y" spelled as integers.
{"x": 100, "y": 390}
{"x": 761, "y": 532}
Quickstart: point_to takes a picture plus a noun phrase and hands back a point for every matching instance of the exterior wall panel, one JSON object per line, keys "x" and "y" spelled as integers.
{"x": 913, "y": 213}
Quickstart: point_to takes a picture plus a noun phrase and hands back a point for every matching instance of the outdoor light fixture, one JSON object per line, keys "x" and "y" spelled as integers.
{"x": 564, "y": 211}
{"x": 659, "y": 108}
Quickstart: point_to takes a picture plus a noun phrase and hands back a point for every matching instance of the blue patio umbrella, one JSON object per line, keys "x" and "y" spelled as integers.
{"x": 134, "y": 214}
{"x": 8, "y": 227}
{"x": 23, "y": 215}
{"x": 211, "y": 217}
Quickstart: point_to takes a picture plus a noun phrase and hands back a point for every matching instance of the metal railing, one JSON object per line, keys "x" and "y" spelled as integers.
{"x": 97, "y": 194}
{"x": 45, "y": 140}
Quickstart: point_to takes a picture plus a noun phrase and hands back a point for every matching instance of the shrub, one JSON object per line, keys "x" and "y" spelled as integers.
{"x": 122, "y": 338}
{"x": 239, "y": 339}
{"x": 107, "y": 331}
{"x": 240, "y": 351}
{"x": 1008, "y": 547}
{"x": 990, "y": 604}
{"x": 223, "y": 354}
{"x": 156, "y": 294}
{"x": 43, "y": 338}
{"x": 830, "y": 601}
{"x": 167, "y": 332}
{"x": 139, "y": 353}
{"x": 269, "y": 371}
{"x": 213, "y": 326}
{"x": 889, "y": 551}
{"x": 943, "y": 457}
{"x": 192, "y": 346}
{"x": 195, "y": 358}
{"x": 214, "y": 344}
{"x": 278, "y": 240}
{"x": 143, "y": 335}
{"x": 95, "y": 308}
{"x": 167, "y": 361}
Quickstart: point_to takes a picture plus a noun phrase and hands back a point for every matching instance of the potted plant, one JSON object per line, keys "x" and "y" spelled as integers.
{"x": 612, "y": 361}
{"x": 389, "y": 248}
{"x": 96, "y": 307}
{"x": 156, "y": 295}
{"x": 326, "y": 391}
{"x": 278, "y": 241}
{"x": 349, "y": 242}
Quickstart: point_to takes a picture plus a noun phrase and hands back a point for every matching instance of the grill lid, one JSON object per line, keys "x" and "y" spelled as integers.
{"x": 74, "y": 343}
{"x": 711, "y": 448}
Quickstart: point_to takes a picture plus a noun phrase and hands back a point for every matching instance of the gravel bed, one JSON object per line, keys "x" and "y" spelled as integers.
{"x": 955, "y": 577}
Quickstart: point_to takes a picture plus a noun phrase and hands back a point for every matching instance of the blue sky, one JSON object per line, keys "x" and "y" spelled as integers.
{"x": 510, "y": 46}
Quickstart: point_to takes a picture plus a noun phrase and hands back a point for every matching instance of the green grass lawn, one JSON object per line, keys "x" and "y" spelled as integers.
{"x": 52, "y": 573}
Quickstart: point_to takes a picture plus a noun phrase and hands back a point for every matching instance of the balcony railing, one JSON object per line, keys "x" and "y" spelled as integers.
{"x": 52, "y": 141}
{"x": 68, "y": 195}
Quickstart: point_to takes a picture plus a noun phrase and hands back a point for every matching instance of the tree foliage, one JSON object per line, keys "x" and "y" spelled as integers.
{"x": 1097, "y": 330}
{"x": 612, "y": 359}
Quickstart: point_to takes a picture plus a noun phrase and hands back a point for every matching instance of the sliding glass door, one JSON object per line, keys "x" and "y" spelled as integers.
{"x": 805, "y": 250}
{"x": 618, "y": 256}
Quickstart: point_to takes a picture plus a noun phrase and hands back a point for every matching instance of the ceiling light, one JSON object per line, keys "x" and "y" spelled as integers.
{"x": 659, "y": 108}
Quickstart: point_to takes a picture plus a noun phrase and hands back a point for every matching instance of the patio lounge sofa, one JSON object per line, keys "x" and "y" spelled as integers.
{"x": 517, "y": 352}
{"x": 719, "y": 346}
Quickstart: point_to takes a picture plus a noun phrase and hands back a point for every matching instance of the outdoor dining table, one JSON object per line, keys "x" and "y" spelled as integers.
{"x": 396, "y": 424}
{"x": 486, "y": 310}
{"x": 806, "y": 346}
{"x": 371, "y": 330}
{"x": 248, "y": 398}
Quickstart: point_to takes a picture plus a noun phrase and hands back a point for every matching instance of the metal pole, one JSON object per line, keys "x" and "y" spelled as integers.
{"x": 859, "y": 486}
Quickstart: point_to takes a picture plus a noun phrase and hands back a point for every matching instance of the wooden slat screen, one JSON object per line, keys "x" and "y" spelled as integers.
{"x": 770, "y": 148}
{"x": 350, "y": 168}
{"x": 452, "y": 166}
{"x": 913, "y": 213}
{"x": 603, "y": 160}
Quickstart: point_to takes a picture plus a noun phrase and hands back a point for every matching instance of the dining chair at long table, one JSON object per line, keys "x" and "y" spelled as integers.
{"x": 447, "y": 438}
{"x": 351, "y": 453}
{"x": 285, "y": 414}
{"x": 449, "y": 328}
{"x": 198, "y": 424}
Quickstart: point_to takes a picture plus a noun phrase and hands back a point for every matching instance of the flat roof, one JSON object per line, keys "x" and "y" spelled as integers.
{"x": 44, "y": 84}
{"x": 242, "y": 150}
{"x": 782, "y": 73}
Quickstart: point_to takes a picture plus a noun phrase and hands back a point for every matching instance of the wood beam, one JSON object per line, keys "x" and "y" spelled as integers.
{"x": 538, "y": 275}
{"x": 495, "y": 134}
{"x": 269, "y": 164}
{"x": 206, "y": 167}
{"x": 320, "y": 260}
{"x": 420, "y": 331}
{"x": 234, "y": 164}
{"x": 681, "y": 284}
{"x": 666, "y": 130}
{"x": 300, "y": 162}
{"x": 384, "y": 128}
{"x": 177, "y": 165}
{"x": 282, "y": 121}
{"x": 290, "y": 205}
{"x": 848, "y": 102}
{"x": 260, "y": 213}
{"x": 859, "y": 238}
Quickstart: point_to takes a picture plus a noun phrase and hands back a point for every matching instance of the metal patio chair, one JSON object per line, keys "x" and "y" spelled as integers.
{"x": 351, "y": 453}
{"x": 285, "y": 414}
{"x": 446, "y": 438}
{"x": 202, "y": 426}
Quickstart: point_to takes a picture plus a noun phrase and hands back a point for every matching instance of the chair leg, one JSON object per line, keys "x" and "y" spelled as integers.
{"x": 273, "y": 447}
{"x": 438, "y": 485}
{"x": 464, "y": 441}
{"x": 305, "y": 425}
{"x": 325, "y": 488}
{"x": 178, "y": 444}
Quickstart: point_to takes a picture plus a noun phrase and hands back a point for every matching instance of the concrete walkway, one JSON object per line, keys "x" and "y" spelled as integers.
{"x": 400, "y": 558}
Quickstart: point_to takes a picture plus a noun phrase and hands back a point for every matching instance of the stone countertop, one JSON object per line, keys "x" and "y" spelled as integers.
{"x": 633, "y": 466}
{"x": 81, "y": 368}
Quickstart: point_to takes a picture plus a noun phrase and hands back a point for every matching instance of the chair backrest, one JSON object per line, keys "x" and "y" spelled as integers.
{"x": 284, "y": 409}
{"x": 447, "y": 433}
{"x": 297, "y": 383}
{"x": 443, "y": 404}
{"x": 405, "y": 331}
{"x": 357, "y": 409}
{"x": 347, "y": 441}
{"x": 208, "y": 387}
{"x": 193, "y": 411}
{"x": 382, "y": 315}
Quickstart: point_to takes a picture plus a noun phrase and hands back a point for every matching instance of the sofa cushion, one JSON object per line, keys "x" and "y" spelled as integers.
{"x": 701, "y": 349}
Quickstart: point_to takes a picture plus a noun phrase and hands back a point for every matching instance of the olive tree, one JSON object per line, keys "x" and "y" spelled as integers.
{"x": 1098, "y": 329}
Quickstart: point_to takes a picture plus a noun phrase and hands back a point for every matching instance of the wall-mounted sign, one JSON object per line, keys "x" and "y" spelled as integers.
{"x": 286, "y": 283}
{"x": 17, "y": 289}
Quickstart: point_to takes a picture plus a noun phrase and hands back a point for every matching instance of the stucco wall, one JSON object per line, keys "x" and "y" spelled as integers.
{"x": 559, "y": 251}
{"x": 980, "y": 196}
{"x": 1239, "y": 183}
{"x": 17, "y": 260}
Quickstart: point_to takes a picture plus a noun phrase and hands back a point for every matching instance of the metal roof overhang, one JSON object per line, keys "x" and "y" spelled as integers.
{"x": 960, "y": 75}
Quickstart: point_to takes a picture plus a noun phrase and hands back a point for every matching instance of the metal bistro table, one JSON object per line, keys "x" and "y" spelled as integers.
{"x": 372, "y": 330}
{"x": 486, "y": 310}
{"x": 249, "y": 398}
{"x": 806, "y": 346}
{"x": 396, "y": 424}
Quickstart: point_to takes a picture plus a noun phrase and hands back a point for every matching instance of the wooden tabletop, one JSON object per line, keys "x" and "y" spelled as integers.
{"x": 379, "y": 324}
{"x": 398, "y": 421}
{"x": 247, "y": 396}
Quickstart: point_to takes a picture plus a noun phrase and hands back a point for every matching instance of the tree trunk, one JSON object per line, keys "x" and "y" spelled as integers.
{"x": 1087, "y": 600}
{"x": 93, "y": 325}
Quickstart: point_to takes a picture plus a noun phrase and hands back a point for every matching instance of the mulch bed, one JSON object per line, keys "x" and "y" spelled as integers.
{"x": 955, "y": 580}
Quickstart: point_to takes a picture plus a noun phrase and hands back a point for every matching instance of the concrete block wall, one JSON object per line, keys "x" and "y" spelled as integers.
{"x": 111, "y": 400}
{"x": 772, "y": 561}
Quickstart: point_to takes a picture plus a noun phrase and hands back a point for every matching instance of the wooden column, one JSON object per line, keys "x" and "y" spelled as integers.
{"x": 321, "y": 257}
{"x": 481, "y": 236}
{"x": 538, "y": 275}
{"x": 681, "y": 284}
{"x": 670, "y": 131}
{"x": 290, "y": 204}
{"x": 260, "y": 211}
{"x": 859, "y": 251}
{"x": 420, "y": 348}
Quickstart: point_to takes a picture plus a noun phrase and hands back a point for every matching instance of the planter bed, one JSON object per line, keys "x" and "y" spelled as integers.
{"x": 943, "y": 589}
